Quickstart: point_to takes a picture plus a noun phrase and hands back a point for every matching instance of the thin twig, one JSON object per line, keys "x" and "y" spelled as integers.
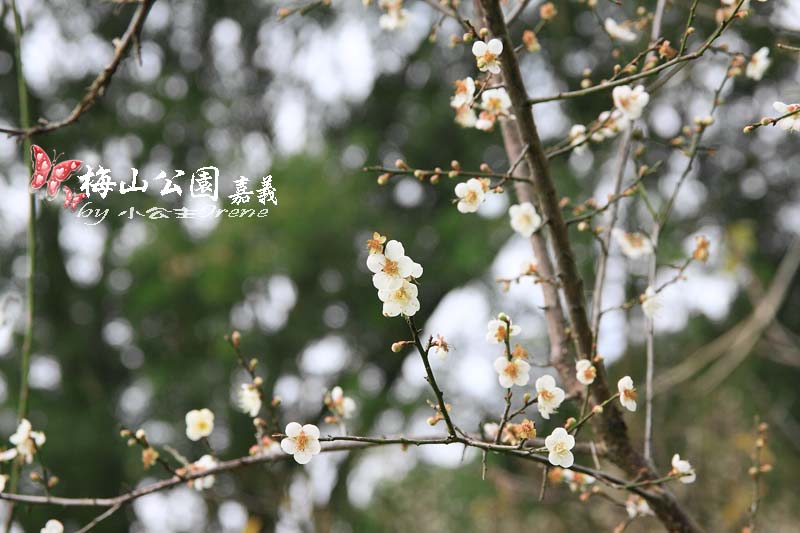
{"x": 98, "y": 86}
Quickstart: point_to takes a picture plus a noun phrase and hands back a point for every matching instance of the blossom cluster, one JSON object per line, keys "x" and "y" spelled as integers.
{"x": 394, "y": 273}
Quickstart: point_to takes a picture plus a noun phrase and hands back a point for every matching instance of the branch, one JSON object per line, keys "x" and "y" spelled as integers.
{"x": 333, "y": 444}
{"x": 98, "y": 87}
{"x": 610, "y": 426}
{"x": 645, "y": 73}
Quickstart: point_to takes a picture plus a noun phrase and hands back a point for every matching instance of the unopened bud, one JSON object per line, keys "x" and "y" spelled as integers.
{"x": 383, "y": 179}
{"x": 597, "y": 409}
{"x": 397, "y": 347}
{"x": 236, "y": 338}
{"x": 257, "y": 381}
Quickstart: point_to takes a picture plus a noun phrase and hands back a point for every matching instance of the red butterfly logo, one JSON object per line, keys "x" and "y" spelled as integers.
{"x": 73, "y": 200}
{"x": 42, "y": 166}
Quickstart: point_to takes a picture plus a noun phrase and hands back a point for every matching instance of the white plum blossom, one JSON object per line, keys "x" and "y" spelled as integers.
{"x": 302, "y": 442}
{"x": 637, "y": 506}
{"x": 758, "y": 64}
{"x": 683, "y": 468}
{"x": 633, "y": 244}
{"x": 344, "y": 406}
{"x": 498, "y": 329}
{"x": 630, "y": 102}
{"x": 465, "y": 93}
{"x": 470, "y": 195}
{"x": 627, "y": 393}
{"x": 199, "y": 424}
{"x": 585, "y": 372}
{"x": 25, "y": 441}
{"x": 512, "y": 372}
{"x": 549, "y": 397}
{"x": 486, "y": 55}
{"x": 52, "y": 526}
{"x": 495, "y": 103}
{"x": 524, "y": 219}
{"x": 619, "y": 32}
{"x": 402, "y": 300}
{"x": 204, "y": 463}
{"x": 249, "y": 399}
{"x": 792, "y": 122}
{"x": 395, "y": 17}
{"x": 651, "y": 303}
{"x": 466, "y": 117}
{"x": 608, "y": 125}
{"x": 392, "y": 267}
{"x": 559, "y": 445}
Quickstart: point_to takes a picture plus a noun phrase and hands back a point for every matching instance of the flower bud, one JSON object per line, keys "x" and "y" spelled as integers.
{"x": 236, "y": 339}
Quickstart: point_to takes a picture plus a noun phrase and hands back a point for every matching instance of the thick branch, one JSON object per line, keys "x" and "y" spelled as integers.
{"x": 610, "y": 427}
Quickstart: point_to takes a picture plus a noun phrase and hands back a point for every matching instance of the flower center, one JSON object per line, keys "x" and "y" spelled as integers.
{"x": 511, "y": 370}
{"x": 471, "y": 197}
{"x": 629, "y": 394}
{"x": 301, "y": 441}
{"x": 560, "y": 448}
{"x": 400, "y": 295}
{"x": 501, "y": 333}
{"x": 391, "y": 267}
{"x": 546, "y": 395}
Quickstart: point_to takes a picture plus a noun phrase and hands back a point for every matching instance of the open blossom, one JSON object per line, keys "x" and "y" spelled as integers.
{"x": 204, "y": 463}
{"x": 466, "y": 117}
{"x": 630, "y": 102}
{"x": 498, "y": 329}
{"x": 487, "y": 54}
{"x": 199, "y": 424}
{"x": 513, "y": 372}
{"x": 549, "y": 396}
{"x": 524, "y": 219}
{"x": 249, "y": 399}
{"x": 651, "y": 303}
{"x": 758, "y": 64}
{"x": 608, "y": 125}
{"x": 634, "y": 245}
{"x": 637, "y": 506}
{"x": 465, "y": 93}
{"x": 683, "y": 468}
{"x": 392, "y": 267}
{"x": 25, "y": 441}
{"x": 792, "y": 122}
{"x": 302, "y": 442}
{"x": 402, "y": 300}
{"x": 340, "y": 404}
{"x": 495, "y": 103}
{"x": 52, "y": 526}
{"x": 585, "y": 372}
{"x": 395, "y": 17}
{"x": 627, "y": 394}
{"x": 619, "y": 32}
{"x": 559, "y": 445}
{"x": 470, "y": 195}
